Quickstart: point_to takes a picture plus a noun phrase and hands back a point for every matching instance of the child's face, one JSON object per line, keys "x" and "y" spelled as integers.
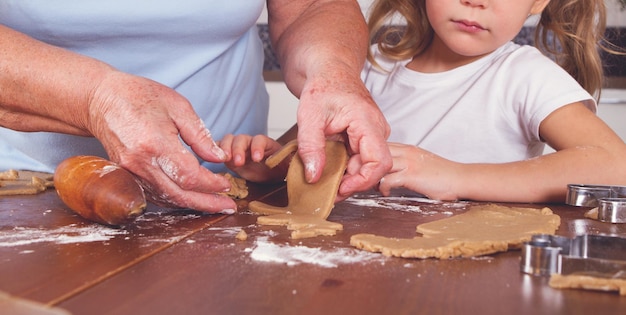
{"x": 478, "y": 27}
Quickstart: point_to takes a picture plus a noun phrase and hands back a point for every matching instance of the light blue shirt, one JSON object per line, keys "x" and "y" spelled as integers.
{"x": 207, "y": 50}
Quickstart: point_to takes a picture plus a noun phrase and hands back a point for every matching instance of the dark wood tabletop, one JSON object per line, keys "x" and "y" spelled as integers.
{"x": 185, "y": 262}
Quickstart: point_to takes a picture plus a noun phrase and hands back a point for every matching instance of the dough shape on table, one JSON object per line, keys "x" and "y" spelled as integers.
{"x": 308, "y": 205}
{"x": 482, "y": 230}
{"x": 13, "y": 182}
{"x": 586, "y": 282}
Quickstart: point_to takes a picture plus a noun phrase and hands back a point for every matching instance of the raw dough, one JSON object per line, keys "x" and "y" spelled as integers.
{"x": 13, "y": 182}
{"x": 559, "y": 281}
{"x": 241, "y": 235}
{"x": 302, "y": 225}
{"x": 308, "y": 204}
{"x": 9, "y": 175}
{"x": 482, "y": 230}
{"x": 238, "y": 187}
{"x": 592, "y": 214}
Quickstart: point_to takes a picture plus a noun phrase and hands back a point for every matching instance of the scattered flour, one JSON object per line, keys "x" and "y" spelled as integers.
{"x": 399, "y": 204}
{"x": 267, "y": 251}
{"x": 487, "y": 258}
{"x": 20, "y": 236}
{"x": 230, "y": 232}
{"x": 165, "y": 218}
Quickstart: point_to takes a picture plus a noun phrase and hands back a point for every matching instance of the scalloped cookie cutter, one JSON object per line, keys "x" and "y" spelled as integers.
{"x": 308, "y": 204}
{"x": 588, "y": 261}
{"x": 601, "y": 255}
{"x": 609, "y": 201}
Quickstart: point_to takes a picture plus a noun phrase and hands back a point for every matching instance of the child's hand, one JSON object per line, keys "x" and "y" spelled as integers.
{"x": 421, "y": 171}
{"x": 247, "y": 154}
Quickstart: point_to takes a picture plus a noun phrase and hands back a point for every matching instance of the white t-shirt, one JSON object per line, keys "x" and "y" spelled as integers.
{"x": 488, "y": 111}
{"x": 208, "y": 50}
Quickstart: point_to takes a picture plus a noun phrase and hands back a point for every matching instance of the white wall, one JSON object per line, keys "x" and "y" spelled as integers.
{"x": 283, "y": 108}
{"x": 615, "y": 15}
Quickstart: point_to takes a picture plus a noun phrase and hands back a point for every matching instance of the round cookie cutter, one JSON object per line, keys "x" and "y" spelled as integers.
{"x": 612, "y": 210}
{"x": 609, "y": 200}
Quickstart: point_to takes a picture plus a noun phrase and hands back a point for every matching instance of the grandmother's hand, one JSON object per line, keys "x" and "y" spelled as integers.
{"x": 139, "y": 122}
{"x": 338, "y": 105}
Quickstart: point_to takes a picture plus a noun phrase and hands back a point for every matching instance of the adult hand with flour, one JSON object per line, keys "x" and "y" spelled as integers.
{"x": 123, "y": 107}
{"x": 131, "y": 116}
{"x": 348, "y": 113}
{"x": 141, "y": 87}
{"x": 334, "y": 103}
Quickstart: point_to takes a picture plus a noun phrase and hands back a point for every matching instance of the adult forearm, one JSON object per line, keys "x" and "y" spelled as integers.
{"x": 45, "y": 88}
{"x": 314, "y": 37}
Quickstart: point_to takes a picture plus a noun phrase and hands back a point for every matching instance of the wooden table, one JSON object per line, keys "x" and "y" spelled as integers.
{"x": 184, "y": 262}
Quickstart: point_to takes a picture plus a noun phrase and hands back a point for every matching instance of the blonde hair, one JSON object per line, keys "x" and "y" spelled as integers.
{"x": 569, "y": 31}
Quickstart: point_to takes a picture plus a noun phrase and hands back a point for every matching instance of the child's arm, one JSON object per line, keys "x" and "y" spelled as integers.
{"x": 588, "y": 152}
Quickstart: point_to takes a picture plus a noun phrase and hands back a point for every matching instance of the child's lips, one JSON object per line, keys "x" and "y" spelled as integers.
{"x": 469, "y": 26}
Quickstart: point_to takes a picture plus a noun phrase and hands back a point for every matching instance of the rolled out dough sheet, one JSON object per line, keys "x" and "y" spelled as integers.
{"x": 482, "y": 230}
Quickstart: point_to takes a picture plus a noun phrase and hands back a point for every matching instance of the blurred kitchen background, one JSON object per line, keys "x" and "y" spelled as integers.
{"x": 612, "y": 109}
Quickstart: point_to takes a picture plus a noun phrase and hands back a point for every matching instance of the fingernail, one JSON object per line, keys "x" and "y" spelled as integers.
{"x": 238, "y": 159}
{"x": 257, "y": 156}
{"x": 218, "y": 152}
{"x": 310, "y": 171}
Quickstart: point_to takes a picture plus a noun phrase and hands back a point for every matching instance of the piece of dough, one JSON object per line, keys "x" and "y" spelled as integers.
{"x": 308, "y": 205}
{"x": 302, "y": 225}
{"x": 592, "y": 214}
{"x": 241, "y": 235}
{"x": 14, "y": 182}
{"x": 238, "y": 187}
{"x": 9, "y": 175}
{"x": 482, "y": 230}
{"x": 559, "y": 281}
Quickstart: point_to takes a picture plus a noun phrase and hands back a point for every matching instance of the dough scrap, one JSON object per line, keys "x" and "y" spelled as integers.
{"x": 241, "y": 235}
{"x": 9, "y": 175}
{"x": 13, "y": 182}
{"x": 308, "y": 205}
{"x": 302, "y": 225}
{"x": 573, "y": 281}
{"x": 592, "y": 214}
{"x": 482, "y": 230}
{"x": 238, "y": 187}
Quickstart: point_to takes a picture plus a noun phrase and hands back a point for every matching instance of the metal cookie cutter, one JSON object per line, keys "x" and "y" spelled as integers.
{"x": 610, "y": 200}
{"x": 601, "y": 256}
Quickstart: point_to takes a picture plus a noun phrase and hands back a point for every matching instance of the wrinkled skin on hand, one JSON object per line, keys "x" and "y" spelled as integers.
{"x": 334, "y": 106}
{"x": 139, "y": 121}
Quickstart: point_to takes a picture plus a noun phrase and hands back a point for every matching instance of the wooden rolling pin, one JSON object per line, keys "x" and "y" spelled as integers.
{"x": 99, "y": 190}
